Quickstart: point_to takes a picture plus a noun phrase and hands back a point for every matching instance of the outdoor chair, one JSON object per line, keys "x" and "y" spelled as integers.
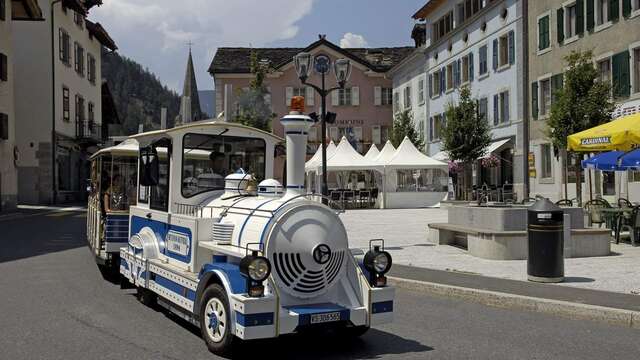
{"x": 631, "y": 224}
{"x": 564, "y": 202}
{"x": 373, "y": 197}
{"x": 336, "y": 197}
{"x": 507, "y": 192}
{"x": 528, "y": 200}
{"x": 347, "y": 199}
{"x": 624, "y": 203}
{"x": 593, "y": 207}
{"x": 363, "y": 198}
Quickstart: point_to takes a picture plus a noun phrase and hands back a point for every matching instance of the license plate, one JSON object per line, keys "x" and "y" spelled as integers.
{"x": 324, "y": 318}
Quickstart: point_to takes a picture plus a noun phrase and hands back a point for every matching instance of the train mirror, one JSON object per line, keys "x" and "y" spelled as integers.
{"x": 149, "y": 167}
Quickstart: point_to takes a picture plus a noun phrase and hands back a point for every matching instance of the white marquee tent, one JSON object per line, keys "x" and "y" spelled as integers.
{"x": 372, "y": 153}
{"x": 315, "y": 163}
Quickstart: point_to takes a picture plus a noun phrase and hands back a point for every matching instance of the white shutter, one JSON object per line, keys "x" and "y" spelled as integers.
{"x": 309, "y": 95}
{"x": 288, "y": 94}
{"x": 267, "y": 97}
{"x": 355, "y": 96}
{"x": 377, "y": 95}
{"x": 333, "y": 133}
{"x": 334, "y": 97}
{"x": 313, "y": 134}
{"x": 375, "y": 134}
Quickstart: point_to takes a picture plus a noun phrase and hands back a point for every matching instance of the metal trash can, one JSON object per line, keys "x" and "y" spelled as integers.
{"x": 545, "y": 238}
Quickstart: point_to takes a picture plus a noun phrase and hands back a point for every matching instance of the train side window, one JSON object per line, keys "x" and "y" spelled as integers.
{"x": 143, "y": 191}
{"x": 159, "y": 193}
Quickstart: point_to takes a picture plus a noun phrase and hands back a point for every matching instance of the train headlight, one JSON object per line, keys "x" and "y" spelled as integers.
{"x": 256, "y": 269}
{"x": 377, "y": 261}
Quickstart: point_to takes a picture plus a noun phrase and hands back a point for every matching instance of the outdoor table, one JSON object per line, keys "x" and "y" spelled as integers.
{"x": 611, "y": 216}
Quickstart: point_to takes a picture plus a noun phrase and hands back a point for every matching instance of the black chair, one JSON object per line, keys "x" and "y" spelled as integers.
{"x": 507, "y": 192}
{"x": 624, "y": 203}
{"x": 373, "y": 197}
{"x": 347, "y": 199}
{"x": 564, "y": 202}
{"x": 336, "y": 197}
{"x": 363, "y": 198}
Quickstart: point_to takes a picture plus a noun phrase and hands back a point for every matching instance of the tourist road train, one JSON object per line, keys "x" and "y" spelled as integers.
{"x": 236, "y": 259}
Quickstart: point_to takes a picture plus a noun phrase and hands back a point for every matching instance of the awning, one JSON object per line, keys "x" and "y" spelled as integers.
{"x": 494, "y": 146}
{"x": 441, "y": 156}
{"x": 622, "y": 134}
{"x": 407, "y": 156}
{"x": 605, "y": 161}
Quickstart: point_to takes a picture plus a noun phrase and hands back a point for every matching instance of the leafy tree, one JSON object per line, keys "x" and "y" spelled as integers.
{"x": 253, "y": 108}
{"x": 582, "y": 103}
{"x": 403, "y": 125}
{"x": 465, "y": 135}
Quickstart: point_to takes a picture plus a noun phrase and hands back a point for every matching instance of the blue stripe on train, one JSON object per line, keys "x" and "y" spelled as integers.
{"x": 382, "y": 307}
{"x": 305, "y": 311}
{"x": 259, "y": 319}
{"x": 175, "y": 287}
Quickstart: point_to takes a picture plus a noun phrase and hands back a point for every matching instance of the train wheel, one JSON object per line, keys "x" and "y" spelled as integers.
{"x": 147, "y": 297}
{"x": 215, "y": 320}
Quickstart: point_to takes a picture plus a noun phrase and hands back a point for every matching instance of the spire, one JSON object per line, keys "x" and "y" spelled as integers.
{"x": 190, "y": 103}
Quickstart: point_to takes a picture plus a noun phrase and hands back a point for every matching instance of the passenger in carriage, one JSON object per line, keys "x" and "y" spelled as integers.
{"x": 115, "y": 198}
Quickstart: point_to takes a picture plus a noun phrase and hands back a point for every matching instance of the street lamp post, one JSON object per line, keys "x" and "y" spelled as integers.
{"x": 322, "y": 65}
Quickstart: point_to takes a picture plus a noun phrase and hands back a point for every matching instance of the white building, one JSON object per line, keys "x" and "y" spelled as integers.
{"x": 59, "y": 102}
{"x": 11, "y": 12}
{"x": 478, "y": 43}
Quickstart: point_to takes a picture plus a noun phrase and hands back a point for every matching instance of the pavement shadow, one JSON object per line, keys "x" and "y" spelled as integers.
{"x": 578, "y": 279}
{"x": 35, "y": 233}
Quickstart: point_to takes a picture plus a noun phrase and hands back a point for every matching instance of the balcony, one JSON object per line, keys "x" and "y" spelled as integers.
{"x": 89, "y": 132}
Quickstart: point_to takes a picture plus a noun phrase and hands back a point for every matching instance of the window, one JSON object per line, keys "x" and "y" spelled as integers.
{"x": 543, "y": 33}
{"x": 79, "y": 109}
{"x": 501, "y": 108}
{"x": 407, "y": 97}
{"x": 467, "y": 68}
{"x": 78, "y": 19}
{"x": 396, "y": 102}
{"x": 435, "y": 128}
{"x": 64, "y": 43}
{"x": 545, "y": 161}
{"x": 421, "y": 180}
{"x": 442, "y": 26}
{"x": 483, "y": 109}
{"x": 207, "y": 159}
{"x": 65, "y": 104}
{"x": 344, "y": 97}
{"x": 636, "y": 69}
{"x": 4, "y": 67}
{"x": 3, "y": 10}
{"x": 467, "y": 9}
{"x": 450, "y": 76}
{"x": 504, "y": 51}
{"x": 92, "y": 115}
{"x": 604, "y": 70}
{"x": 387, "y": 96}
{"x": 421, "y": 91}
{"x": 602, "y": 12}
{"x": 436, "y": 84}
{"x": 91, "y": 68}
{"x": 79, "y": 56}
{"x": 545, "y": 96}
{"x": 483, "y": 60}
{"x": 159, "y": 199}
{"x": 621, "y": 75}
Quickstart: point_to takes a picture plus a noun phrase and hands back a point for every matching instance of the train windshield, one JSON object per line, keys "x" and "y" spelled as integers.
{"x": 118, "y": 183}
{"x": 208, "y": 159}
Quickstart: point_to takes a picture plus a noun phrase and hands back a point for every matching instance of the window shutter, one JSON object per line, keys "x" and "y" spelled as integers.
{"x": 495, "y": 54}
{"x": 579, "y": 17}
{"x": 4, "y": 67}
{"x": 430, "y": 85}
{"x": 506, "y": 106}
{"x": 431, "y": 128}
{"x": 4, "y": 126}
{"x": 309, "y": 95}
{"x": 534, "y": 99}
{"x": 61, "y": 44}
{"x": 443, "y": 80}
{"x": 267, "y": 98}
{"x": 459, "y": 72}
{"x": 355, "y": 96}
{"x": 512, "y": 48}
{"x": 335, "y": 98}
{"x": 556, "y": 85}
{"x": 541, "y": 44}
{"x": 621, "y": 75}
{"x": 496, "y": 111}
{"x": 560, "y": 23}
{"x": 3, "y": 10}
{"x": 626, "y": 8}
{"x": 591, "y": 15}
{"x": 471, "y": 67}
{"x": 377, "y": 95}
{"x": 614, "y": 13}
{"x": 288, "y": 94}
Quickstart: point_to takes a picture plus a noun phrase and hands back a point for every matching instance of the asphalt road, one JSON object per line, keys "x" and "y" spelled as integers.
{"x": 54, "y": 304}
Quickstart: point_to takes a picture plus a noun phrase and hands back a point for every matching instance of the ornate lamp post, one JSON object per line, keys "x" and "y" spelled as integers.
{"x": 322, "y": 65}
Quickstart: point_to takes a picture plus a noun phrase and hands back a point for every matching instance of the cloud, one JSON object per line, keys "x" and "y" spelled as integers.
{"x": 155, "y": 32}
{"x": 351, "y": 40}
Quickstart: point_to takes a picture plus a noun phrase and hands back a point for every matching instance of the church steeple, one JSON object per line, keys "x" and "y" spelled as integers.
{"x": 189, "y": 103}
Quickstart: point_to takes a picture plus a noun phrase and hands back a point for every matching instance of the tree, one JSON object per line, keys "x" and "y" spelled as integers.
{"x": 465, "y": 135}
{"x": 253, "y": 109}
{"x": 582, "y": 103}
{"x": 403, "y": 125}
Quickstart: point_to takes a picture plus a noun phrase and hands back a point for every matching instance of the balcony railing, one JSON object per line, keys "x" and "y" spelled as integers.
{"x": 88, "y": 131}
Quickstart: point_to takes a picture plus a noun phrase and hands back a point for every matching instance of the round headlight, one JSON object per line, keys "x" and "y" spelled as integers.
{"x": 259, "y": 269}
{"x": 381, "y": 262}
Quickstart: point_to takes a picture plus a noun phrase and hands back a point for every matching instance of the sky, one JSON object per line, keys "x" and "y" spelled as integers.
{"x": 156, "y": 33}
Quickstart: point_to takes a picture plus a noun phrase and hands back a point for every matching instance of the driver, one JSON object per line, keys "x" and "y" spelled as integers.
{"x": 214, "y": 178}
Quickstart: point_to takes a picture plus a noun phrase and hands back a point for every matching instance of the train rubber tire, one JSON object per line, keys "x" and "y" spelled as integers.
{"x": 215, "y": 320}
{"x": 147, "y": 297}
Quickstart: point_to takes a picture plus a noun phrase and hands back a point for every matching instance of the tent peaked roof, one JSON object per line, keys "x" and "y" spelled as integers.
{"x": 316, "y": 160}
{"x": 386, "y": 153}
{"x": 372, "y": 153}
{"x": 409, "y": 157}
{"x": 346, "y": 158}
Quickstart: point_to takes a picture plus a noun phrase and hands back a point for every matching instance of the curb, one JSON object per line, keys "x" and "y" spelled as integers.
{"x": 575, "y": 311}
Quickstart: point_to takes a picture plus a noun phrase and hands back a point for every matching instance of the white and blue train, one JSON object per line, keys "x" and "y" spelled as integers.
{"x": 240, "y": 260}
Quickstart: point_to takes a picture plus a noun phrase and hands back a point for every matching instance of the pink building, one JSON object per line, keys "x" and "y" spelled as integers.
{"x": 364, "y": 107}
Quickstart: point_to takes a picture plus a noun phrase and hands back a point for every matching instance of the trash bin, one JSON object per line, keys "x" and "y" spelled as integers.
{"x": 545, "y": 238}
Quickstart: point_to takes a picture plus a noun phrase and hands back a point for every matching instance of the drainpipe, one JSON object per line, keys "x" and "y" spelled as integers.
{"x": 525, "y": 93}
{"x": 53, "y": 106}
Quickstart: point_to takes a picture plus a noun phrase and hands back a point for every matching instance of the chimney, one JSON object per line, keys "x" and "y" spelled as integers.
{"x": 296, "y": 125}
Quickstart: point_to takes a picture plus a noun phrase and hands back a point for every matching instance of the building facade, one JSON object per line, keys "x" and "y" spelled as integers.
{"x": 609, "y": 28}
{"x": 364, "y": 107}
{"x": 478, "y": 43}
{"x": 11, "y": 12}
{"x": 59, "y": 102}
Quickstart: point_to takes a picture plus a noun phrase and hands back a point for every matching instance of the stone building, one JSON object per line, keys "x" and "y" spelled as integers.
{"x": 12, "y": 12}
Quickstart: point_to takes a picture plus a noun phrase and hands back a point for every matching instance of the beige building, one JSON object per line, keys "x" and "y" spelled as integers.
{"x": 11, "y": 12}
{"x": 58, "y": 100}
{"x": 611, "y": 29}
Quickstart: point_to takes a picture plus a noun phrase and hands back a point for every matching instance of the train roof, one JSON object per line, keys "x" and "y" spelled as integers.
{"x": 204, "y": 124}
{"x": 127, "y": 147}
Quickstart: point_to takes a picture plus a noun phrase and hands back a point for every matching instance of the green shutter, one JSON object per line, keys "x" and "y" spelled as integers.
{"x": 621, "y": 75}
{"x": 614, "y": 13}
{"x": 543, "y": 33}
{"x": 626, "y": 8}
{"x": 579, "y": 17}
{"x": 591, "y": 15}
{"x": 560, "y": 22}
{"x": 534, "y": 99}
{"x": 556, "y": 85}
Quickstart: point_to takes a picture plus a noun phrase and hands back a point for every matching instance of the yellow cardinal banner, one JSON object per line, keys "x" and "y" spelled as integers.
{"x": 622, "y": 134}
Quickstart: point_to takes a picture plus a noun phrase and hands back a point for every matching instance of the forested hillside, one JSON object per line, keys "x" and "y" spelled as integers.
{"x": 138, "y": 94}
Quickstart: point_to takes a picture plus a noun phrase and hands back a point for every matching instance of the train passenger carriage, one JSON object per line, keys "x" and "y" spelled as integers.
{"x": 242, "y": 260}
